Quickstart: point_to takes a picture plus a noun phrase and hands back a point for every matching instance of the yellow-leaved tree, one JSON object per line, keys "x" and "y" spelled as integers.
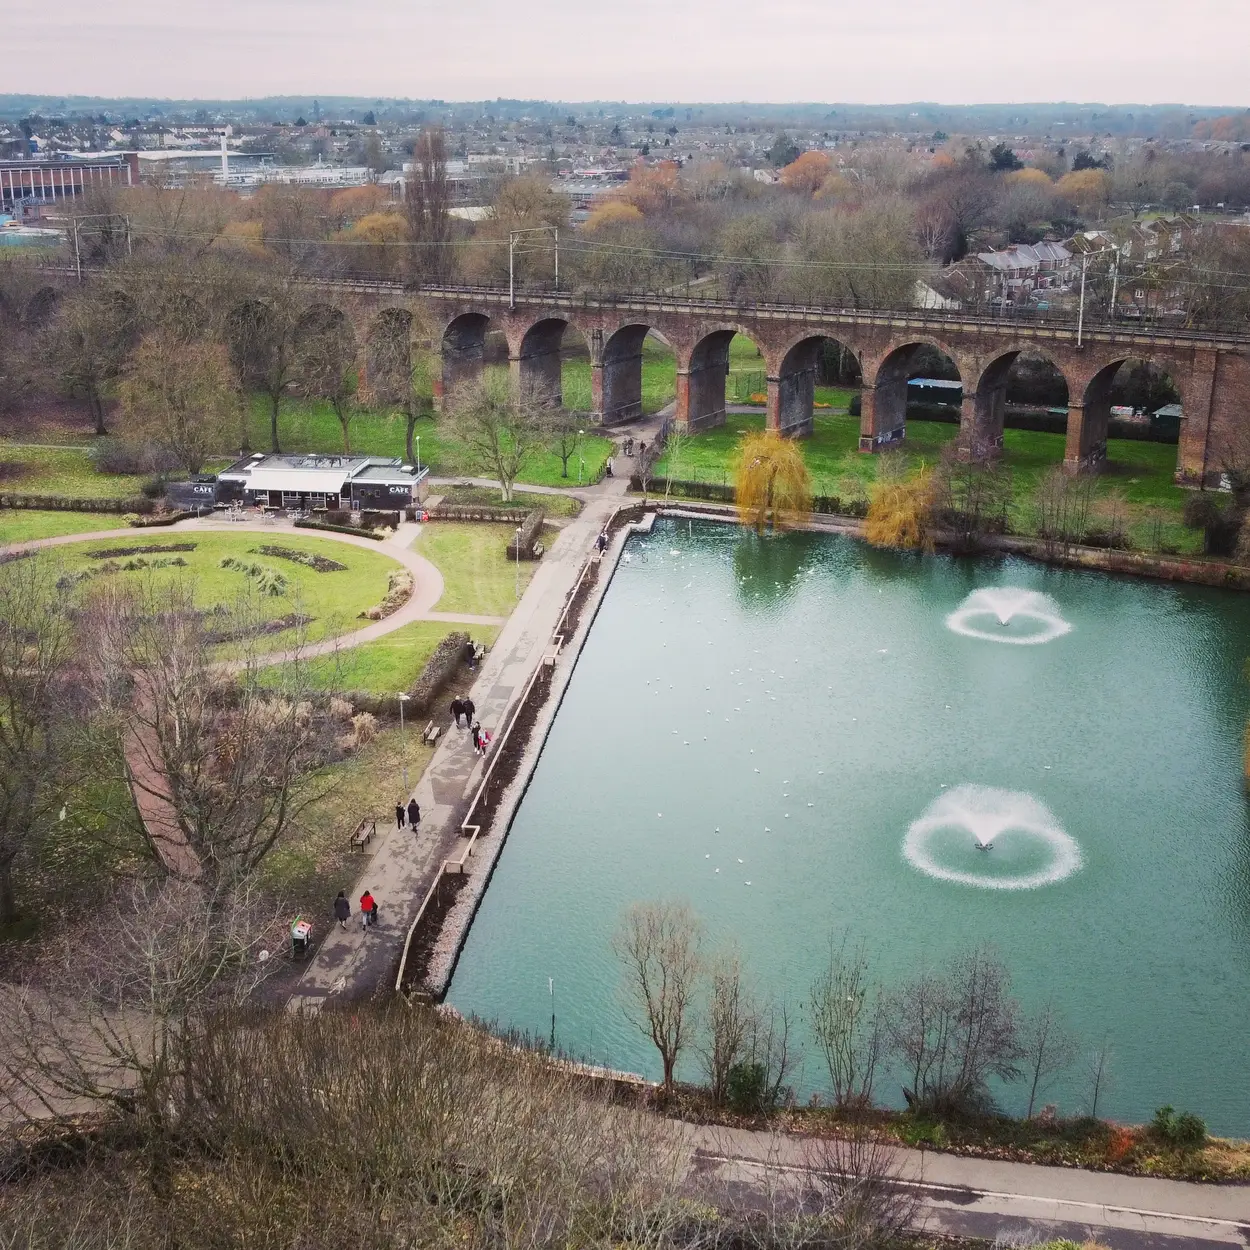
{"x": 771, "y": 483}
{"x": 899, "y": 508}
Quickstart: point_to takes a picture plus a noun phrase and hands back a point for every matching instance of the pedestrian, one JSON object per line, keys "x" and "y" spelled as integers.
{"x": 367, "y": 906}
{"x": 342, "y": 910}
{"x": 483, "y": 739}
{"x": 477, "y": 738}
{"x": 457, "y": 707}
{"x": 469, "y": 711}
{"x": 607, "y": 468}
{"x": 642, "y": 451}
{"x": 414, "y": 814}
{"x": 602, "y": 542}
{"x": 399, "y": 815}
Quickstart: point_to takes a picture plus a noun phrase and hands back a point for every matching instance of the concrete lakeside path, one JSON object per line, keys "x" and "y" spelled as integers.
{"x": 990, "y": 1198}
{"x": 353, "y": 963}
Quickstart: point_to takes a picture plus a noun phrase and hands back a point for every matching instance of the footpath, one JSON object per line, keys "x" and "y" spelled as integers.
{"x": 354, "y": 963}
{"x": 1009, "y": 1203}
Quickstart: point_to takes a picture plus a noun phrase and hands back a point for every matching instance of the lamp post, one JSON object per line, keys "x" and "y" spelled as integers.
{"x": 581, "y": 460}
{"x": 403, "y": 738}
{"x": 518, "y": 562}
{"x": 417, "y": 440}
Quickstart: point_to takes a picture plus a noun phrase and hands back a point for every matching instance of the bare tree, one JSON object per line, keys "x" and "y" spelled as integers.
{"x": 1063, "y": 506}
{"x": 216, "y": 756}
{"x": 659, "y": 946}
{"x": 182, "y": 397}
{"x": 729, "y": 1021}
{"x": 261, "y": 336}
{"x": 326, "y": 363}
{"x": 94, "y": 331}
{"x": 565, "y": 430}
{"x": 400, "y": 376}
{"x": 849, "y": 1021}
{"x": 954, "y": 1029}
{"x": 37, "y": 650}
{"x": 499, "y": 425}
{"x": 112, "y": 1025}
{"x": 771, "y": 1050}
{"x": 860, "y": 1181}
{"x": 427, "y": 198}
{"x": 1098, "y": 1071}
{"x": 972, "y": 495}
{"x": 1047, "y": 1049}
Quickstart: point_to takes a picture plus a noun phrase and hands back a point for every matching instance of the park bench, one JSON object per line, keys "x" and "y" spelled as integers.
{"x": 364, "y": 834}
{"x": 430, "y": 734}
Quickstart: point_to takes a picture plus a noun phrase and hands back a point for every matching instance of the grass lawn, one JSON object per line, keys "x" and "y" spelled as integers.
{"x": 478, "y": 577}
{"x": 334, "y": 599}
{"x": 393, "y": 662}
{"x": 312, "y": 862}
{"x": 61, "y": 471}
{"x": 310, "y": 425}
{"x": 1137, "y": 479}
{"x": 521, "y": 502}
{"x": 18, "y": 525}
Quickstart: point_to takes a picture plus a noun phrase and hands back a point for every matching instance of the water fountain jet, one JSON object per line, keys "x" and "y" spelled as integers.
{"x": 1005, "y": 604}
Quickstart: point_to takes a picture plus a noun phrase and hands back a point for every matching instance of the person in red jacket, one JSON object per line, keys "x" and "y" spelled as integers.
{"x": 368, "y": 910}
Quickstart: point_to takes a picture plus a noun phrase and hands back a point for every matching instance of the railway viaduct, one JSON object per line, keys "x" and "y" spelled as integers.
{"x": 1211, "y": 371}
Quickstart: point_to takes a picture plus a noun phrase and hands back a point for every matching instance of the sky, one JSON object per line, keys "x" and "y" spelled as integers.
{"x": 864, "y": 51}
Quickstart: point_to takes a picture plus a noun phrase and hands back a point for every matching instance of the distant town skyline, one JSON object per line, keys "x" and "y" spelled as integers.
{"x": 977, "y": 51}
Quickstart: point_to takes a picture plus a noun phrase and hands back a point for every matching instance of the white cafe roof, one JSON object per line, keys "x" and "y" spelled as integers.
{"x": 327, "y": 481}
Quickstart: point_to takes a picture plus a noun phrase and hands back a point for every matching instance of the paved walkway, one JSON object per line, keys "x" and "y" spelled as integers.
{"x": 404, "y": 864}
{"x": 985, "y": 1197}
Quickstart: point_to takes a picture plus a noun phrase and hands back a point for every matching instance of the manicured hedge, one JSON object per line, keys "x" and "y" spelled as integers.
{"x": 530, "y": 528}
{"x": 68, "y": 503}
{"x": 473, "y": 512}
{"x": 439, "y": 669}
{"x": 338, "y": 529}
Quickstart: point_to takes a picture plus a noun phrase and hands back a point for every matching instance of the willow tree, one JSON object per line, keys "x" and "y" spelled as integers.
{"x": 899, "y": 510}
{"x": 771, "y": 483}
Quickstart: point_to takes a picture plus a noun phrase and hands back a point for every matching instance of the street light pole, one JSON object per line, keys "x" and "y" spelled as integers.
{"x": 403, "y": 739}
{"x": 518, "y": 562}
{"x": 417, "y": 439}
{"x": 581, "y": 460}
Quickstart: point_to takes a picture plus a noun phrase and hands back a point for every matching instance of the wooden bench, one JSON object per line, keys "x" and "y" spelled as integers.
{"x": 430, "y": 734}
{"x": 364, "y": 834}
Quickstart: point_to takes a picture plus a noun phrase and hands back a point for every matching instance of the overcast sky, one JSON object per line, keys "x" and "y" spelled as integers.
{"x": 869, "y": 51}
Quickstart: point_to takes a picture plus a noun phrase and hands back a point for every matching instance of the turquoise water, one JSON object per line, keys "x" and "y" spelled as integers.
{"x": 785, "y": 710}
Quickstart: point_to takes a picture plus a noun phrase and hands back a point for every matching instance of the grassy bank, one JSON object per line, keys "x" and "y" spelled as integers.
{"x": 1137, "y": 479}
{"x": 478, "y": 577}
{"x": 17, "y": 525}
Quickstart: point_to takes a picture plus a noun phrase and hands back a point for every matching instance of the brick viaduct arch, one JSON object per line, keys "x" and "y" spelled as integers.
{"x": 1211, "y": 373}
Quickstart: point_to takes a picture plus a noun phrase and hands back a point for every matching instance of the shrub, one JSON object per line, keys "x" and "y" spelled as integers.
{"x": 530, "y": 528}
{"x": 438, "y": 670}
{"x": 110, "y": 455}
{"x": 309, "y": 559}
{"x": 268, "y": 581}
{"x": 364, "y": 728}
{"x": 746, "y": 1087}
{"x": 398, "y": 590}
{"x": 338, "y": 529}
{"x": 1183, "y": 1129}
{"x": 924, "y": 1133}
{"x": 153, "y": 487}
